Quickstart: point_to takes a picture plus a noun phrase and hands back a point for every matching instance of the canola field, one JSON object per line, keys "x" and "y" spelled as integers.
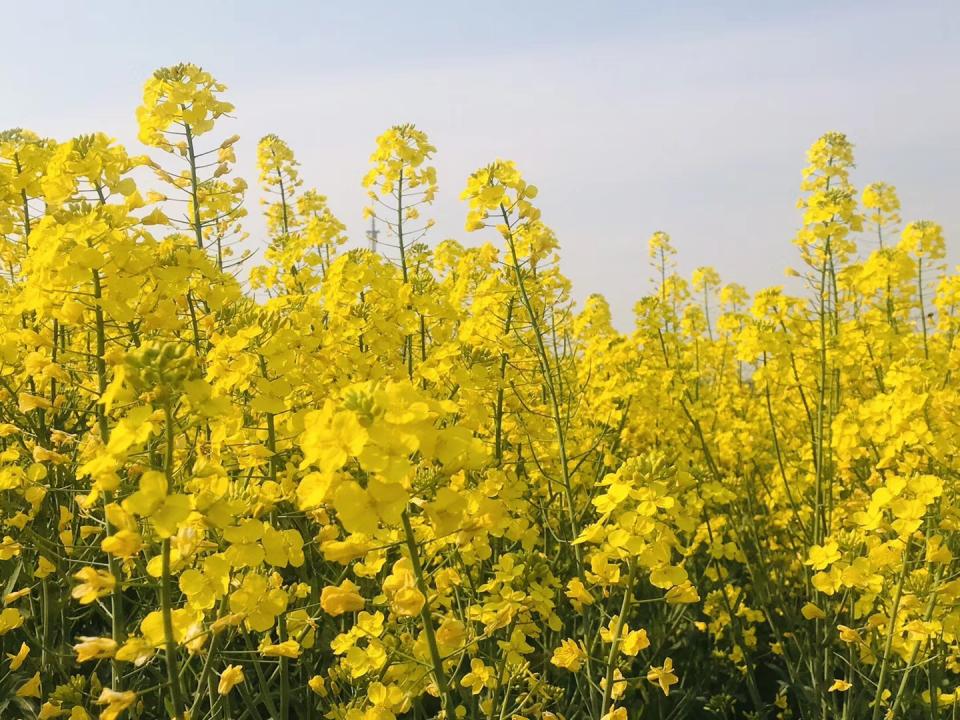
{"x": 421, "y": 482}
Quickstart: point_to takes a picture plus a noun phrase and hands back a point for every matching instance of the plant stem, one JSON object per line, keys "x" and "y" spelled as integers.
{"x": 888, "y": 645}
{"x": 449, "y": 701}
{"x": 617, "y": 630}
{"x": 166, "y": 599}
{"x": 170, "y": 645}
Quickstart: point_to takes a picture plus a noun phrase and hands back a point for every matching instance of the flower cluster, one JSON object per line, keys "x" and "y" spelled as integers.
{"x": 417, "y": 481}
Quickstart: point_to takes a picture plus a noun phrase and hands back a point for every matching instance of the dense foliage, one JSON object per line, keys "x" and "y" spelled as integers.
{"x": 420, "y": 483}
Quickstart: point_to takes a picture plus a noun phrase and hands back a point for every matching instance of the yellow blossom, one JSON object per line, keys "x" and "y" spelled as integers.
{"x": 570, "y": 655}
{"x": 31, "y": 688}
{"x": 663, "y": 676}
{"x": 93, "y": 584}
{"x": 94, "y": 648}
{"x": 16, "y": 660}
{"x": 231, "y": 676}
{"x": 336, "y": 600}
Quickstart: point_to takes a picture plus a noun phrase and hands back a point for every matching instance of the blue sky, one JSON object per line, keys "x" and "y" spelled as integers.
{"x": 630, "y": 116}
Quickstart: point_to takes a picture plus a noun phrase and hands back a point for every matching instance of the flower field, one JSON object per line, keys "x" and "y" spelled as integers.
{"x": 420, "y": 482}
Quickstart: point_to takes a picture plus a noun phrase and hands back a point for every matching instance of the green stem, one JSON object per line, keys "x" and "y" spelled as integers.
{"x": 928, "y": 613}
{"x": 170, "y": 645}
{"x": 116, "y": 596}
{"x": 449, "y": 701}
{"x": 923, "y": 309}
{"x": 547, "y": 373}
{"x": 617, "y": 630}
{"x": 498, "y": 411}
{"x": 408, "y": 340}
{"x": 166, "y": 598}
{"x": 284, "y": 672}
{"x": 891, "y": 629}
{"x": 194, "y": 187}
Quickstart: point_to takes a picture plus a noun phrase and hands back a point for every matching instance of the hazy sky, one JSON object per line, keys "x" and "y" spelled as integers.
{"x": 630, "y": 116}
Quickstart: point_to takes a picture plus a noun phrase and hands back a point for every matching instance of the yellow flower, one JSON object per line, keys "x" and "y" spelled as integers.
{"x": 401, "y": 589}
{"x": 28, "y": 402}
{"x": 166, "y": 512}
{"x": 445, "y": 511}
{"x": 616, "y": 714}
{"x": 479, "y": 677}
{"x": 288, "y": 648}
{"x": 31, "y": 688}
{"x": 177, "y": 95}
{"x": 313, "y": 489}
{"x": 408, "y": 602}
{"x": 17, "y": 660}
{"x": 51, "y": 710}
{"x": 330, "y": 438}
{"x": 369, "y": 625}
{"x": 44, "y": 568}
{"x": 663, "y": 676}
{"x": 570, "y": 655}
{"x": 360, "y": 661}
{"x": 336, "y": 600}
{"x": 135, "y": 650}
{"x": 259, "y": 605}
{"x": 10, "y": 619}
{"x": 93, "y": 584}
{"x": 619, "y": 686}
{"x": 15, "y": 595}
{"x": 183, "y": 620}
{"x": 116, "y": 702}
{"x": 317, "y": 684}
{"x": 302, "y": 627}
{"x": 684, "y": 593}
{"x": 634, "y": 641}
{"x": 822, "y": 556}
{"x": 9, "y": 548}
{"x": 848, "y": 634}
{"x": 812, "y": 612}
{"x": 345, "y": 551}
{"x": 94, "y": 648}
{"x": 231, "y": 676}
{"x": 829, "y": 581}
{"x": 361, "y": 510}
{"x": 451, "y": 635}
{"x": 924, "y": 238}
{"x": 282, "y": 547}
{"x": 578, "y": 594}
{"x": 245, "y": 548}
{"x": 204, "y": 588}
{"x": 123, "y": 543}
{"x": 839, "y": 686}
